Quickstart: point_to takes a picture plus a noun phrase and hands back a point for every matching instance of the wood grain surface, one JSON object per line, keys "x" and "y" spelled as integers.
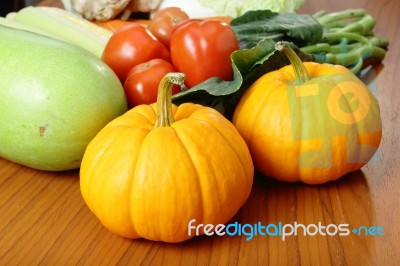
{"x": 44, "y": 220}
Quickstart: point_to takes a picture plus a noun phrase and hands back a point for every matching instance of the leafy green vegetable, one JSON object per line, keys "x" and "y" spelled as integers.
{"x": 255, "y": 58}
{"x": 261, "y": 24}
{"x": 235, "y": 8}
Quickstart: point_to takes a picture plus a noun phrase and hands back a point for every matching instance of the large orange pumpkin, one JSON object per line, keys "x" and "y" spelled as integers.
{"x": 309, "y": 122}
{"x": 155, "y": 168}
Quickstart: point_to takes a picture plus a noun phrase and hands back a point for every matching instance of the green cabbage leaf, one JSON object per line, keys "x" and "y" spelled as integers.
{"x": 235, "y": 8}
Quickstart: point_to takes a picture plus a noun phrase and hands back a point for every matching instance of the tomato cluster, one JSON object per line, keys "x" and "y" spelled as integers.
{"x": 141, "y": 56}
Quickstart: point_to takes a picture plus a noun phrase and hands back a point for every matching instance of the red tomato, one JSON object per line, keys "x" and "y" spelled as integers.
{"x": 141, "y": 85}
{"x": 131, "y": 45}
{"x": 202, "y": 49}
{"x": 164, "y": 21}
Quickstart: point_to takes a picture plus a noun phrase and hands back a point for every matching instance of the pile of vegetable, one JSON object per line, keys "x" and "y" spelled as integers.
{"x": 344, "y": 38}
{"x": 177, "y": 43}
{"x": 308, "y": 122}
{"x": 210, "y": 101}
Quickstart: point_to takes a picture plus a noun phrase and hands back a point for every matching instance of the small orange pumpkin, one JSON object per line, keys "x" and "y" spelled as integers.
{"x": 309, "y": 122}
{"x": 155, "y": 168}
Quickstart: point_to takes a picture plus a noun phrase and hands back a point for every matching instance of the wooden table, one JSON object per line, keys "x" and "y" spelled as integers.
{"x": 43, "y": 219}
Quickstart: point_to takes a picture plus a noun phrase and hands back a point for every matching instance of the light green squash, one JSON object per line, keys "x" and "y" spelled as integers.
{"x": 54, "y": 98}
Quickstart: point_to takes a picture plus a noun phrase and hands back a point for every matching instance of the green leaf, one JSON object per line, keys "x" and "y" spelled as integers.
{"x": 256, "y": 25}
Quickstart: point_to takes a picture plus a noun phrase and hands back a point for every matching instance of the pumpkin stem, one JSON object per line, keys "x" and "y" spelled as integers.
{"x": 165, "y": 117}
{"x": 300, "y": 70}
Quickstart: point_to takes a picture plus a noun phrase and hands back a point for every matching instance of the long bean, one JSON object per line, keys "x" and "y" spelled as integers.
{"x": 348, "y": 59}
{"x": 319, "y": 14}
{"x": 341, "y": 15}
{"x": 344, "y": 47}
{"x": 353, "y": 37}
{"x": 362, "y": 26}
{"x": 376, "y": 41}
{"x": 317, "y": 48}
{"x": 348, "y": 40}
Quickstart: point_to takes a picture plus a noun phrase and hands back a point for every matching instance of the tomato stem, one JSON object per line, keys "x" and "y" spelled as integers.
{"x": 300, "y": 70}
{"x": 165, "y": 117}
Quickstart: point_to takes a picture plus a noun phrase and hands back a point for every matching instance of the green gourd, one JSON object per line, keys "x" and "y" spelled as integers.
{"x": 54, "y": 98}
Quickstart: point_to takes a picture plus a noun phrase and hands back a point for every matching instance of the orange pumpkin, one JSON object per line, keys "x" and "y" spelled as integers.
{"x": 155, "y": 168}
{"x": 309, "y": 122}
